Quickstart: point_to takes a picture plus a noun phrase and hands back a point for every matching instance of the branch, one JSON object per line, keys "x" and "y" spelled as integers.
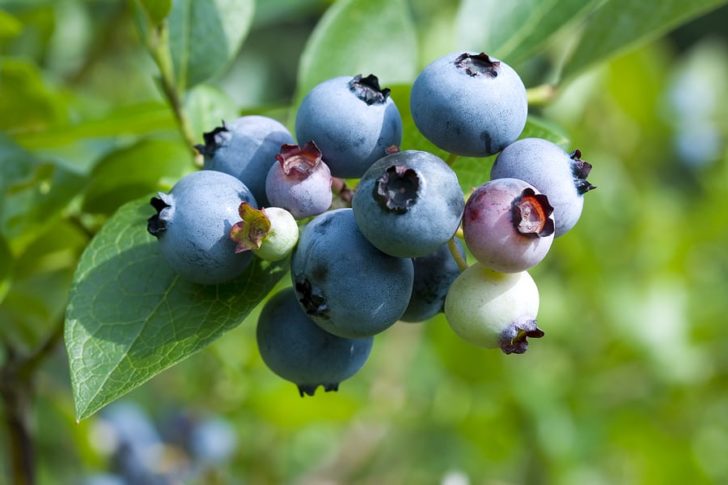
{"x": 157, "y": 43}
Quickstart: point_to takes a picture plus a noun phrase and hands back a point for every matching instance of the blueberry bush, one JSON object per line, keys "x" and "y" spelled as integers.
{"x": 345, "y": 169}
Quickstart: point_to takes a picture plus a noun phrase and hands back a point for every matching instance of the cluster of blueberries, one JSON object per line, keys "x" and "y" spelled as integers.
{"x": 391, "y": 254}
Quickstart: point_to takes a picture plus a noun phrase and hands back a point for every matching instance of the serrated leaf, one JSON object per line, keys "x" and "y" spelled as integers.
{"x": 205, "y": 35}
{"x": 131, "y": 172}
{"x": 130, "y": 317}
{"x": 360, "y": 37}
{"x": 621, "y": 24}
{"x": 514, "y": 30}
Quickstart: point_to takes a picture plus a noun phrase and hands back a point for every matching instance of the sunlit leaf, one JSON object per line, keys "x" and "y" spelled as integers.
{"x": 130, "y": 316}
{"x": 360, "y": 37}
{"x": 205, "y": 35}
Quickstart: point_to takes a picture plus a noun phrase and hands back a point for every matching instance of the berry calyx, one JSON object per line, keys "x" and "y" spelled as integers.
{"x": 368, "y": 90}
{"x": 531, "y": 213}
{"x": 299, "y": 161}
{"x": 581, "y": 169}
{"x": 477, "y": 64}
{"x": 249, "y": 233}
{"x": 397, "y": 189}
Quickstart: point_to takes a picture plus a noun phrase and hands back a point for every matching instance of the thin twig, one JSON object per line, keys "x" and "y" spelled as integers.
{"x": 158, "y": 45}
{"x": 541, "y": 95}
{"x": 451, "y": 159}
{"x": 459, "y": 260}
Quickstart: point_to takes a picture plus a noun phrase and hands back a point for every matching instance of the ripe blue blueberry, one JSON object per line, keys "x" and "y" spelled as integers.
{"x": 469, "y": 104}
{"x": 300, "y": 351}
{"x": 299, "y": 181}
{"x": 408, "y": 204}
{"x": 245, "y": 149}
{"x": 559, "y": 175}
{"x": 193, "y": 224}
{"x": 352, "y": 120}
{"x": 434, "y": 274}
{"x": 346, "y": 285}
{"x": 508, "y": 225}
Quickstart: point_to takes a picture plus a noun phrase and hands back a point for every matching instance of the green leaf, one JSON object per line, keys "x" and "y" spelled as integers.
{"x": 206, "y": 107}
{"x": 205, "y": 35}
{"x": 130, "y": 317}
{"x": 360, "y": 37}
{"x": 37, "y": 293}
{"x": 138, "y": 119}
{"x": 26, "y": 103}
{"x": 622, "y": 24}
{"x": 540, "y": 128}
{"x": 6, "y": 264}
{"x": 130, "y": 173}
{"x": 9, "y": 25}
{"x": 32, "y": 193}
{"x": 157, "y": 10}
{"x": 513, "y": 30}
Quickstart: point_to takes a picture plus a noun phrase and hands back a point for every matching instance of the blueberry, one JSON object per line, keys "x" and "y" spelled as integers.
{"x": 352, "y": 120}
{"x": 508, "y": 225}
{"x": 346, "y": 285}
{"x": 408, "y": 204}
{"x": 559, "y": 175}
{"x": 491, "y": 309}
{"x": 298, "y": 350}
{"x": 469, "y": 104}
{"x": 434, "y": 274}
{"x": 245, "y": 148}
{"x": 193, "y": 224}
{"x": 300, "y": 181}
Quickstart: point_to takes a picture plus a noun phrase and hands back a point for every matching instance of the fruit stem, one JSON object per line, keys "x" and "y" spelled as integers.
{"x": 541, "y": 95}
{"x": 451, "y": 159}
{"x": 157, "y": 43}
{"x": 459, "y": 260}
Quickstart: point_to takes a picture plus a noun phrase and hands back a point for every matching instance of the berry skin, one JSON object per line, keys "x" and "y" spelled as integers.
{"x": 298, "y": 350}
{"x": 193, "y": 222}
{"x": 245, "y": 149}
{"x": 271, "y": 233}
{"x": 508, "y": 225}
{"x": 494, "y": 309}
{"x": 469, "y": 104}
{"x": 352, "y": 120}
{"x": 434, "y": 274}
{"x": 346, "y": 285}
{"x": 299, "y": 181}
{"x": 408, "y": 204}
{"x": 559, "y": 175}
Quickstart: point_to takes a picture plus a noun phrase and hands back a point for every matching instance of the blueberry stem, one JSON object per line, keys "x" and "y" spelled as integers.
{"x": 541, "y": 95}
{"x": 451, "y": 159}
{"x": 459, "y": 260}
{"x": 157, "y": 43}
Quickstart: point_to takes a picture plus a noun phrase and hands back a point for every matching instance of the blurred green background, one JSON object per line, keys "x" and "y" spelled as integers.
{"x": 630, "y": 384}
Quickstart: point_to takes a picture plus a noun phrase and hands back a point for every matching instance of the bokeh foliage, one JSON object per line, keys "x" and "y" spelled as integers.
{"x": 629, "y": 384}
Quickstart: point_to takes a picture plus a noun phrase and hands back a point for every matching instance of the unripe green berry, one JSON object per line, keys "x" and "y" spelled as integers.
{"x": 494, "y": 309}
